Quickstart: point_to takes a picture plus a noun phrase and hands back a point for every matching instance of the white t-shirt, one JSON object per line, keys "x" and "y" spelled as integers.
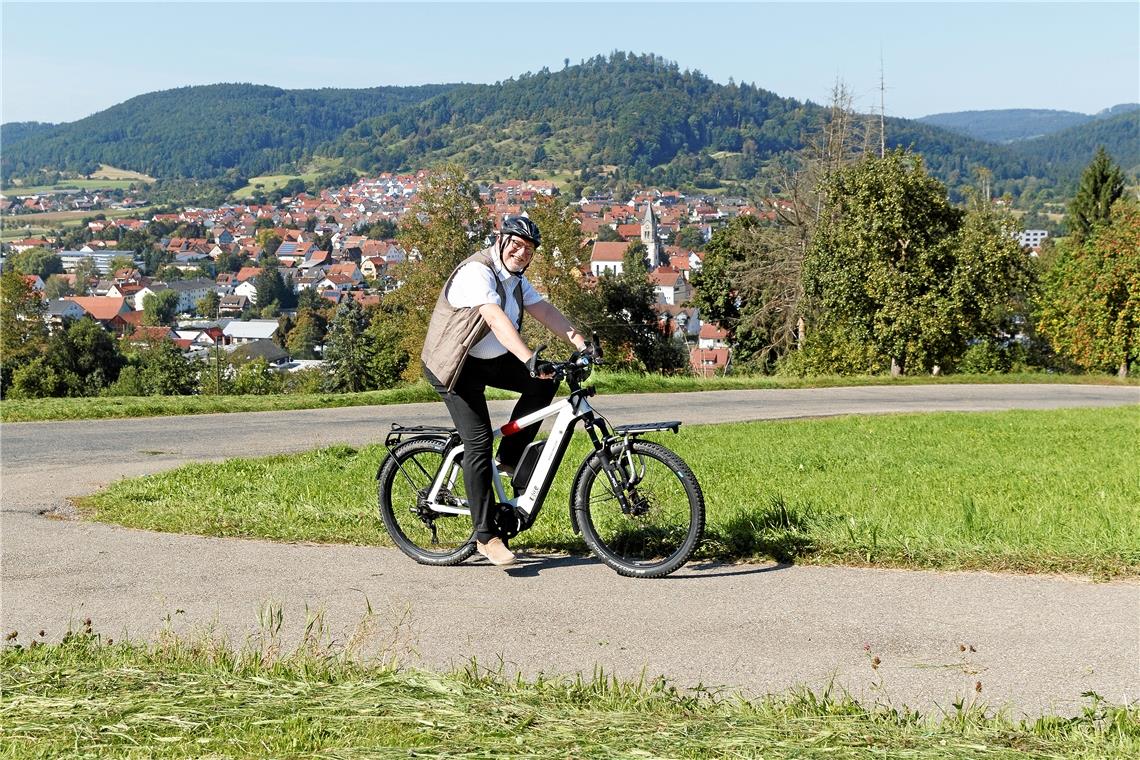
{"x": 474, "y": 285}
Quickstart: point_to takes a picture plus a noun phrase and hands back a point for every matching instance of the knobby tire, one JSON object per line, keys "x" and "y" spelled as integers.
{"x": 407, "y": 471}
{"x": 671, "y": 522}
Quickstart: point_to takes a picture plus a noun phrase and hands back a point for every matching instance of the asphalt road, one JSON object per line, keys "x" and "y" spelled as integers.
{"x": 1035, "y": 643}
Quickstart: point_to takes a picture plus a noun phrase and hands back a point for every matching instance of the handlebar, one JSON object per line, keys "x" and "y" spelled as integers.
{"x": 577, "y": 368}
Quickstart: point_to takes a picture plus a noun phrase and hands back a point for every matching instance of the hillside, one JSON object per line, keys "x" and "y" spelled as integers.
{"x": 15, "y": 131}
{"x": 635, "y": 117}
{"x": 1065, "y": 154}
{"x": 632, "y": 111}
{"x": 1006, "y": 125}
{"x": 202, "y": 131}
{"x": 659, "y": 124}
{"x": 1013, "y": 124}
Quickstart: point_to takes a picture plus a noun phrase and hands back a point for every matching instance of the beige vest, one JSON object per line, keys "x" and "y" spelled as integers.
{"x": 453, "y": 331}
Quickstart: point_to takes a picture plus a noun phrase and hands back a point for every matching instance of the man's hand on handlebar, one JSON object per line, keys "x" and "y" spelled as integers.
{"x": 539, "y": 367}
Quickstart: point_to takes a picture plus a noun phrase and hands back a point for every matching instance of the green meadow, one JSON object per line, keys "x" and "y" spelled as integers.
{"x": 1024, "y": 491}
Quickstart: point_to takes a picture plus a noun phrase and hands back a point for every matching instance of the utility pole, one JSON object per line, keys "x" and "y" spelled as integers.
{"x": 882, "y": 108}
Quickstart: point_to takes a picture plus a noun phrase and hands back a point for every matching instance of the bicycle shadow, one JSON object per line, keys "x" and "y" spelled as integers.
{"x": 533, "y": 566}
{"x": 712, "y": 570}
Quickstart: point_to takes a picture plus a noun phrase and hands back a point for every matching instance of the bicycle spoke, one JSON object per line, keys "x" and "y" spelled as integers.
{"x": 425, "y": 534}
{"x": 662, "y": 517}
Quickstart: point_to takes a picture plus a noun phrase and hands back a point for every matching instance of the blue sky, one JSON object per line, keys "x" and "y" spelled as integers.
{"x": 64, "y": 61}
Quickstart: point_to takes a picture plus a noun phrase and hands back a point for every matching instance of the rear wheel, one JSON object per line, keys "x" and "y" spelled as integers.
{"x": 427, "y": 536}
{"x": 664, "y": 517}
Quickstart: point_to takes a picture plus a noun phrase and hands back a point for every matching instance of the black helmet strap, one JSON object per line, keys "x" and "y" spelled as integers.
{"x": 503, "y": 247}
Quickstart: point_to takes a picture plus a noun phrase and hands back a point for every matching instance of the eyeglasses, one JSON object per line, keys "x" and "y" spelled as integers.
{"x": 526, "y": 247}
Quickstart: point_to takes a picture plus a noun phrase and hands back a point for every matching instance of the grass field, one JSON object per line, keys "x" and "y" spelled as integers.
{"x": 177, "y": 699}
{"x": 270, "y": 182}
{"x": 1033, "y": 491}
{"x": 110, "y": 172}
{"x": 105, "y": 178}
{"x": 71, "y": 184}
{"x": 606, "y": 382}
{"x": 65, "y": 217}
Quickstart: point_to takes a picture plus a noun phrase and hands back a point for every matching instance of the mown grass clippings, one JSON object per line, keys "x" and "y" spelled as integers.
{"x": 175, "y": 698}
{"x": 1025, "y": 491}
{"x": 607, "y": 383}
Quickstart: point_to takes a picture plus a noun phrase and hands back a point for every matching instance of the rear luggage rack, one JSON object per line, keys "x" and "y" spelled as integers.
{"x": 399, "y": 432}
{"x": 646, "y": 427}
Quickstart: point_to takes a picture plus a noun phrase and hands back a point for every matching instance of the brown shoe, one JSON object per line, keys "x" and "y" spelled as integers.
{"x": 496, "y": 552}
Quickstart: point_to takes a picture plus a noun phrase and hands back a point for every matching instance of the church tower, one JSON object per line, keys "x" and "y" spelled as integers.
{"x": 649, "y": 236}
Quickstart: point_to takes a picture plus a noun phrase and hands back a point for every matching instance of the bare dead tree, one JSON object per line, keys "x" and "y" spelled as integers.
{"x": 772, "y": 272}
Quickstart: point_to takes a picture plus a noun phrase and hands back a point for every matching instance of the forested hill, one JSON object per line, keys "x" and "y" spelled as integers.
{"x": 1012, "y": 124}
{"x": 657, "y": 123}
{"x": 14, "y": 131}
{"x": 635, "y": 111}
{"x": 202, "y": 131}
{"x": 1007, "y": 125}
{"x": 1065, "y": 154}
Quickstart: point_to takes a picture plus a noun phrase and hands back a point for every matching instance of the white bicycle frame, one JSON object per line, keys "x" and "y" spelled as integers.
{"x": 566, "y": 412}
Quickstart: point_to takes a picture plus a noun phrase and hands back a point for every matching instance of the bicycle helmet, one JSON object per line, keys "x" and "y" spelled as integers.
{"x": 521, "y": 226}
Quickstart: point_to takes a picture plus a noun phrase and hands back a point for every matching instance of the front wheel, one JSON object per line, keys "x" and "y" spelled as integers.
{"x": 662, "y": 520}
{"x": 427, "y": 536}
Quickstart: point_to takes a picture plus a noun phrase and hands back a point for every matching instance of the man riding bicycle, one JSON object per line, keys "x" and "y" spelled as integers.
{"x": 474, "y": 341}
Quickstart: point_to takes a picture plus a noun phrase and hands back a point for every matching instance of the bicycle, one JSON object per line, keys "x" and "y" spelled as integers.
{"x": 637, "y": 505}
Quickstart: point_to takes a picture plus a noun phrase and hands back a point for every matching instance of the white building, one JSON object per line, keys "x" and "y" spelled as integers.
{"x": 240, "y": 332}
{"x": 1032, "y": 238}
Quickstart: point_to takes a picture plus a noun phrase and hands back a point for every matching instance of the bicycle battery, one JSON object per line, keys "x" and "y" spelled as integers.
{"x": 526, "y": 465}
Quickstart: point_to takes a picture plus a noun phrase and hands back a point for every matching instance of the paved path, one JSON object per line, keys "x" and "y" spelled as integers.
{"x": 1037, "y": 642}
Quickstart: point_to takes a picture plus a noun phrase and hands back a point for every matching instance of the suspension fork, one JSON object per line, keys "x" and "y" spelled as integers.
{"x": 609, "y": 466}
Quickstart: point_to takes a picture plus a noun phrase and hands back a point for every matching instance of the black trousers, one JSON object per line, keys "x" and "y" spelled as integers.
{"x": 467, "y": 403}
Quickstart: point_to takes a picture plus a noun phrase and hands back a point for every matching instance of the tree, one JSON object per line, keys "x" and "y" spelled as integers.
{"x": 157, "y": 368}
{"x": 750, "y": 283}
{"x": 348, "y": 352}
{"x": 1090, "y": 309}
{"x": 229, "y": 261}
{"x": 607, "y": 234}
{"x": 122, "y": 262}
{"x": 36, "y": 379}
{"x": 390, "y": 360}
{"x": 629, "y": 329}
{"x": 136, "y": 240}
{"x": 37, "y": 261}
{"x": 558, "y": 267}
{"x": 880, "y": 268}
{"x": 85, "y": 274}
{"x": 385, "y": 229}
{"x": 256, "y": 377}
{"x": 306, "y": 335}
{"x": 1101, "y": 185}
{"x": 58, "y": 286}
{"x": 635, "y": 261}
{"x": 160, "y": 308}
{"x": 85, "y": 357}
{"x": 269, "y": 240}
{"x": 22, "y": 329}
{"x": 209, "y": 304}
{"x": 751, "y": 278}
{"x": 271, "y": 288}
{"x": 447, "y": 225}
{"x": 689, "y": 238}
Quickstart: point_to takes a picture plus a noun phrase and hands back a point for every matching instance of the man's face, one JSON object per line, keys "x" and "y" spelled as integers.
{"x": 517, "y": 254}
